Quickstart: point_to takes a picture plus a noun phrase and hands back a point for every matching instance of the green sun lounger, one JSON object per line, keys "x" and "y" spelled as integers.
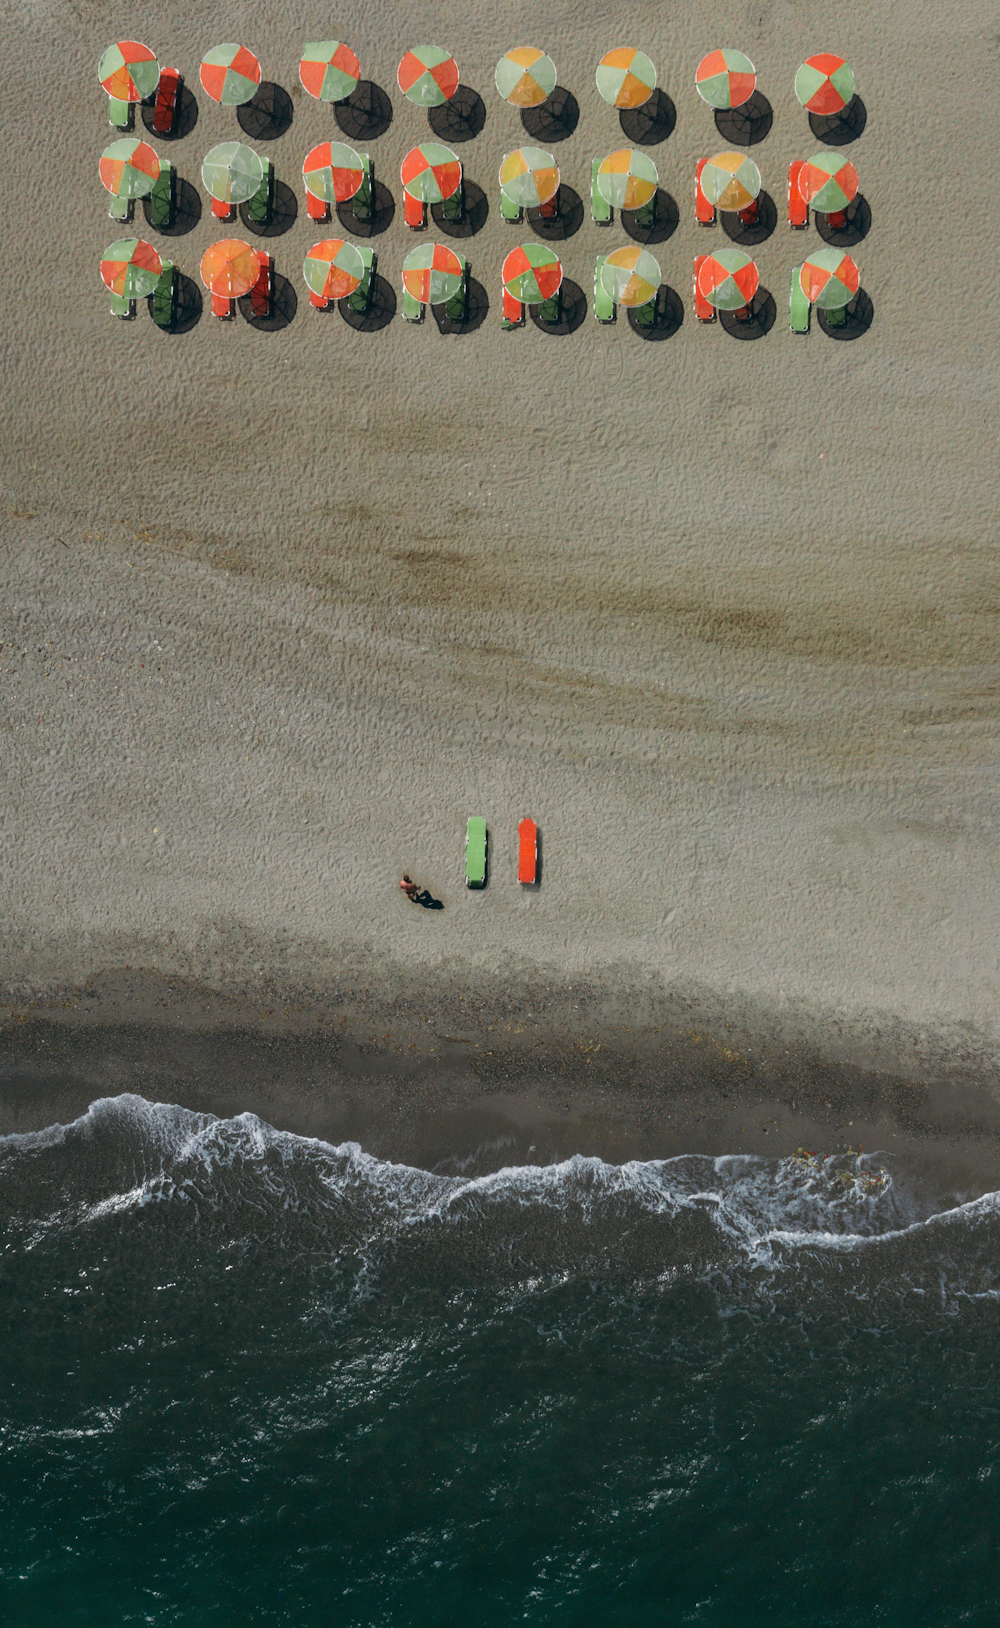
{"x": 837, "y": 317}
{"x": 361, "y": 299}
{"x": 457, "y": 308}
{"x": 162, "y": 298}
{"x": 645, "y": 315}
{"x": 475, "y": 852}
{"x": 509, "y": 211}
{"x": 121, "y": 209}
{"x": 646, "y": 216}
{"x": 119, "y": 113}
{"x": 161, "y": 199}
{"x": 550, "y": 310}
{"x": 453, "y": 208}
{"x": 600, "y": 210}
{"x": 604, "y": 305}
{"x": 798, "y": 305}
{"x": 363, "y": 200}
{"x": 259, "y": 207}
{"x": 412, "y": 309}
{"x": 122, "y": 307}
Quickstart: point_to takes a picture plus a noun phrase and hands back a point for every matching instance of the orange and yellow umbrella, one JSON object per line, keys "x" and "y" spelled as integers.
{"x": 525, "y": 76}
{"x": 626, "y": 77}
{"x": 730, "y": 181}
{"x": 631, "y": 276}
{"x": 230, "y": 268}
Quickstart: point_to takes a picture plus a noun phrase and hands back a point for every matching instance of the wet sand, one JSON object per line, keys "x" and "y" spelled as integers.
{"x": 280, "y": 610}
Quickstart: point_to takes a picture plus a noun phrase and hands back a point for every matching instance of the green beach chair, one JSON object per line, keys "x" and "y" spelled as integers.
{"x": 121, "y": 209}
{"x": 645, "y": 315}
{"x": 509, "y": 211}
{"x": 362, "y": 201}
{"x": 646, "y": 216}
{"x": 361, "y": 299}
{"x": 162, "y": 297}
{"x": 453, "y": 208}
{"x": 798, "y": 306}
{"x": 475, "y": 852}
{"x": 119, "y": 113}
{"x": 604, "y": 305}
{"x": 259, "y": 207}
{"x": 550, "y": 310}
{"x": 161, "y": 199}
{"x": 837, "y": 318}
{"x": 412, "y": 309}
{"x": 457, "y": 308}
{"x": 122, "y": 307}
{"x": 600, "y": 210}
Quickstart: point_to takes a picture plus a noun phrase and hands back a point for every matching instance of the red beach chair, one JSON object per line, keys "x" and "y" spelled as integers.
{"x": 837, "y": 218}
{"x": 513, "y": 310}
{"x": 798, "y": 209}
{"x": 748, "y": 216}
{"x": 167, "y": 92}
{"x": 320, "y": 303}
{"x": 549, "y": 210}
{"x": 260, "y": 293}
{"x": 222, "y": 211}
{"x": 704, "y": 211}
{"x": 527, "y": 853}
{"x": 414, "y": 212}
{"x": 318, "y": 208}
{"x": 702, "y": 309}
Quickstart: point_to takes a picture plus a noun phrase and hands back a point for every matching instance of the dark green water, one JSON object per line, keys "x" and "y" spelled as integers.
{"x": 249, "y": 1378}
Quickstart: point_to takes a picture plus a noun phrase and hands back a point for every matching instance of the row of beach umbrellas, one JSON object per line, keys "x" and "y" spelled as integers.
{"x": 431, "y": 172}
{"x": 433, "y": 273}
{"x": 525, "y": 77}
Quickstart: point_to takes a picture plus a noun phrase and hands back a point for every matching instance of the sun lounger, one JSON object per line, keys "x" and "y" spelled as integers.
{"x": 318, "y": 208}
{"x": 457, "y": 308}
{"x": 162, "y": 299}
{"x": 550, "y": 209}
{"x": 414, "y": 212}
{"x": 798, "y": 306}
{"x": 167, "y": 93}
{"x": 798, "y": 209}
{"x": 704, "y": 211}
{"x": 119, "y": 113}
{"x": 513, "y": 311}
{"x": 837, "y": 219}
{"x": 453, "y": 208}
{"x": 363, "y": 198}
{"x": 748, "y": 216}
{"x": 120, "y": 209}
{"x": 646, "y": 216}
{"x": 259, "y": 207}
{"x": 361, "y": 299}
{"x": 604, "y": 305}
{"x": 121, "y": 307}
{"x": 600, "y": 210}
{"x": 412, "y": 309}
{"x": 161, "y": 199}
{"x": 223, "y": 307}
{"x": 837, "y": 317}
{"x": 645, "y": 315}
{"x": 475, "y": 852}
{"x": 260, "y": 293}
{"x": 550, "y": 310}
{"x": 223, "y": 211}
{"x": 704, "y": 311}
{"x": 527, "y": 853}
{"x": 509, "y": 211}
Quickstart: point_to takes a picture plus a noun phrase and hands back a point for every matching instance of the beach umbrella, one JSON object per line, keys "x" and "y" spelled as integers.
{"x": 626, "y": 77}
{"x": 728, "y": 279}
{"x": 828, "y": 181}
{"x": 427, "y": 76}
{"x": 525, "y": 76}
{"x": 230, "y": 74}
{"x": 131, "y": 268}
{"x": 334, "y": 268}
{"x": 631, "y": 276}
{"x": 627, "y": 179}
{"x": 532, "y": 273}
{"x": 725, "y": 78}
{"x": 333, "y": 171}
{"x": 129, "y": 168}
{"x": 231, "y": 172}
{"x": 230, "y": 268}
{"x": 329, "y": 70}
{"x": 433, "y": 273}
{"x": 730, "y": 181}
{"x": 829, "y": 279}
{"x": 129, "y": 71}
{"x": 824, "y": 83}
{"x": 431, "y": 172}
{"x": 529, "y": 177}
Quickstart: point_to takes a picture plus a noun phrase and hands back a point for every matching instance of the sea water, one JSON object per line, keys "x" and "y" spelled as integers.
{"x": 248, "y": 1377}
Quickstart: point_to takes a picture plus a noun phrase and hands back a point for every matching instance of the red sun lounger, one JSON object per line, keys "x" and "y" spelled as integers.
{"x": 513, "y": 310}
{"x": 837, "y": 218}
{"x": 704, "y": 211}
{"x": 167, "y": 93}
{"x": 527, "y": 853}
{"x": 748, "y": 216}
{"x": 318, "y": 208}
{"x": 222, "y": 306}
{"x": 414, "y": 212}
{"x": 798, "y": 209}
{"x": 260, "y": 293}
{"x": 222, "y": 211}
{"x": 702, "y": 309}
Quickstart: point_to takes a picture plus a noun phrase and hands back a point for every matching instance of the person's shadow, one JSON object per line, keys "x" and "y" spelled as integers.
{"x": 427, "y": 899}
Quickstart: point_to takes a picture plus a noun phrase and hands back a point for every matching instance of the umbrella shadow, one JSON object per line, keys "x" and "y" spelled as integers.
{"x": 767, "y": 219}
{"x": 461, "y": 118}
{"x": 186, "y": 212}
{"x": 366, "y": 114}
{"x": 380, "y": 312}
{"x": 284, "y": 305}
{"x": 554, "y": 119}
{"x": 742, "y": 126}
{"x": 381, "y": 217}
{"x": 474, "y": 215}
{"x": 859, "y": 221}
{"x": 762, "y": 317}
{"x": 477, "y": 305}
{"x": 837, "y": 129}
{"x": 668, "y": 316}
{"x": 665, "y": 221}
{"x": 185, "y": 116}
{"x": 859, "y": 316}
{"x": 283, "y": 214}
{"x": 572, "y": 311}
{"x": 651, "y": 123}
{"x": 567, "y": 219}
{"x": 268, "y": 114}
{"x": 187, "y": 306}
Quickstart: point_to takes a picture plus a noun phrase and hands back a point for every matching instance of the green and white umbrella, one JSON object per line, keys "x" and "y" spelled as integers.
{"x": 129, "y": 168}
{"x": 730, "y": 181}
{"x": 627, "y": 179}
{"x": 428, "y": 76}
{"x": 329, "y": 70}
{"x": 433, "y": 273}
{"x": 230, "y": 74}
{"x": 129, "y": 71}
{"x": 728, "y": 279}
{"x": 333, "y": 171}
{"x": 626, "y": 77}
{"x": 525, "y": 76}
{"x": 431, "y": 172}
{"x": 231, "y": 172}
{"x": 830, "y": 279}
{"x": 828, "y": 182}
{"x": 131, "y": 268}
{"x": 532, "y": 273}
{"x": 725, "y": 78}
{"x": 631, "y": 276}
{"x": 825, "y": 83}
{"x": 333, "y": 269}
{"x": 529, "y": 177}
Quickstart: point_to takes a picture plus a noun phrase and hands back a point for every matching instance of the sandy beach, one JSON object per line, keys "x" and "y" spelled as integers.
{"x": 281, "y": 609}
